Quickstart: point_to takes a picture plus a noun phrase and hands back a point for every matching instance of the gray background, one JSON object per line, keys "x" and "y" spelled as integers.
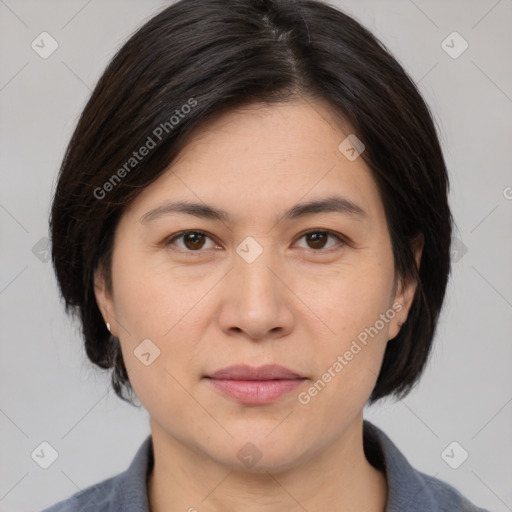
{"x": 49, "y": 391}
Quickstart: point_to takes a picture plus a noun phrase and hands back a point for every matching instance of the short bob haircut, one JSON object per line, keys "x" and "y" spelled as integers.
{"x": 197, "y": 59}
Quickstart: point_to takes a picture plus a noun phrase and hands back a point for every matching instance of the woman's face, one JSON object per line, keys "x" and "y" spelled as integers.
{"x": 268, "y": 283}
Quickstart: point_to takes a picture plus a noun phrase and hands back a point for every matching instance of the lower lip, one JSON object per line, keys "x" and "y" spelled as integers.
{"x": 256, "y": 391}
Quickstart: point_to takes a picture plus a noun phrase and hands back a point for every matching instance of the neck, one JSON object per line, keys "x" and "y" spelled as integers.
{"x": 340, "y": 478}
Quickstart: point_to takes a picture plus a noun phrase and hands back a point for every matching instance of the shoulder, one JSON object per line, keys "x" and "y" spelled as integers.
{"x": 410, "y": 490}
{"x": 99, "y": 497}
{"x": 126, "y": 491}
{"x": 444, "y": 496}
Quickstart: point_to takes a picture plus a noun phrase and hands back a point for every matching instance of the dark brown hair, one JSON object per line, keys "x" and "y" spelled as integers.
{"x": 199, "y": 58}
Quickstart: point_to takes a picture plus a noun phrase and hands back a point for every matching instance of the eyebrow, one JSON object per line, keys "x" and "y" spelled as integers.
{"x": 337, "y": 204}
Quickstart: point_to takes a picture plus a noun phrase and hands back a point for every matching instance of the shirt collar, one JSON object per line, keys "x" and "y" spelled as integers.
{"x": 408, "y": 489}
{"x": 131, "y": 488}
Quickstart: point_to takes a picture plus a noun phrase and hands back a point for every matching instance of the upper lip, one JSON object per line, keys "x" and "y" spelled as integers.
{"x": 244, "y": 372}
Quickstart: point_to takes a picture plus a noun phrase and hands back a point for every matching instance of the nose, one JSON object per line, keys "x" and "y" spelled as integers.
{"x": 256, "y": 302}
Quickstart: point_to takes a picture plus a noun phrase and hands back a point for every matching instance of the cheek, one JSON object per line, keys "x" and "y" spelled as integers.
{"x": 152, "y": 298}
{"x": 357, "y": 308}
{"x": 162, "y": 306}
{"x": 348, "y": 364}
{"x": 354, "y": 300}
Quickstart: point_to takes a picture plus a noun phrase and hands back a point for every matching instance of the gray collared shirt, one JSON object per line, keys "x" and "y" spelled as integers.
{"x": 409, "y": 490}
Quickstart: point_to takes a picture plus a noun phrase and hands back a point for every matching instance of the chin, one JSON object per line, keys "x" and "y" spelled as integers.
{"x": 258, "y": 454}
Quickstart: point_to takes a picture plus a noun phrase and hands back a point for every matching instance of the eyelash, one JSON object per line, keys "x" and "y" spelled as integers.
{"x": 170, "y": 240}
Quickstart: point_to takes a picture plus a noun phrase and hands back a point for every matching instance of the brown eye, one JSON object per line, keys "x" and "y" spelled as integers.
{"x": 192, "y": 241}
{"x": 318, "y": 239}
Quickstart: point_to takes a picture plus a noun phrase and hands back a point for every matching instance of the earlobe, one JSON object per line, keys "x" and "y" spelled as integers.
{"x": 406, "y": 288}
{"x": 104, "y": 300}
{"x": 417, "y": 247}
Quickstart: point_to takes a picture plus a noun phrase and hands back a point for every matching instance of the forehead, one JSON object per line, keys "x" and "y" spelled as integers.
{"x": 264, "y": 158}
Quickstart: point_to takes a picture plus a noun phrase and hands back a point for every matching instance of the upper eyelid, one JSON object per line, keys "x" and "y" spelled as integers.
{"x": 178, "y": 235}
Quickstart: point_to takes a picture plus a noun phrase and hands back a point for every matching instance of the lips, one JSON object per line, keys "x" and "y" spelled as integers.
{"x": 255, "y": 386}
{"x": 244, "y": 372}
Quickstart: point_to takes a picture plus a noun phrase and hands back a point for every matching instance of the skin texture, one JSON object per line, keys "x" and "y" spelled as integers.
{"x": 300, "y": 304}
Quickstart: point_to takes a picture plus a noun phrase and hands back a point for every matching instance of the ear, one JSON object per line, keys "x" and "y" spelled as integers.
{"x": 104, "y": 300}
{"x": 405, "y": 290}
